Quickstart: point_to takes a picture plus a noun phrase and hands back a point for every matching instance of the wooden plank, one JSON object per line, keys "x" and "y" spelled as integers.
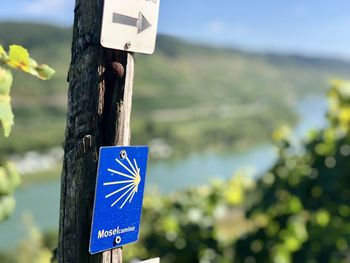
{"x": 123, "y": 131}
{"x": 122, "y": 137}
{"x": 117, "y": 255}
{"x": 106, "y": 257}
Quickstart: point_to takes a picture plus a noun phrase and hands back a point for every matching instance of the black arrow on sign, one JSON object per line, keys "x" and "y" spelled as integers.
{"x": 141, "y": 23}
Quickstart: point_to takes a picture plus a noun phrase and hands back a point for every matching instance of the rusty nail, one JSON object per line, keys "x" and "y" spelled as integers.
{"x": 118, "y": 69}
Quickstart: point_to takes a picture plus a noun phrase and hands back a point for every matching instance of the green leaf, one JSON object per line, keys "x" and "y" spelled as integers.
{"x": 13, "y": 175}
{"x": 45, "y": 72}
{"x": 18, "y": 57}
{"x": 6, "y": 115}
{"x": 323, "y": 217}
{"x": 5, "y": 81}
{"x": 7, "y": 205}
{"x": 3, "y": 54}
{"x": 9, "y": 179}
{"x": 4, "y": 182}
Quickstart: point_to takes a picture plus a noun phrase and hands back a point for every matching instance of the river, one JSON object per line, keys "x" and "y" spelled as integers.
{"x": 42, "y": 199}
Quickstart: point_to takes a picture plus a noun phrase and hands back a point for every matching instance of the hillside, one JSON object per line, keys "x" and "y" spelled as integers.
{"x": 193, "y": 96}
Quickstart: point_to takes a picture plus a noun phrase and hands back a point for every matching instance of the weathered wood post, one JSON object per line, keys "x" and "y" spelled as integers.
{"x": 99, "y": 107}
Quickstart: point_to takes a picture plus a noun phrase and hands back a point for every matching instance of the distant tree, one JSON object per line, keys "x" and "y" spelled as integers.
{"x": 18, "y": 58}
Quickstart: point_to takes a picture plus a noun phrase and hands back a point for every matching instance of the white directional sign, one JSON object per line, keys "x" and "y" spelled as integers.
{"x": 130, "y": 25}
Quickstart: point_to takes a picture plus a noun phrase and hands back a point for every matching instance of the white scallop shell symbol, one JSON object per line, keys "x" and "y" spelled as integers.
{"x": 127, "y": 185}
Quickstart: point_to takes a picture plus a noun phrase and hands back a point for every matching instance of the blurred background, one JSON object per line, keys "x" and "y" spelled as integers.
{"x": 246, "y": 109}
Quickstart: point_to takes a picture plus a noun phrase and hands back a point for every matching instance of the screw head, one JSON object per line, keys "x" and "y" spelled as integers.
{"x": 117, "y": 240}
{"x": 127, "y": 45}
{"x": 123, "y": 154}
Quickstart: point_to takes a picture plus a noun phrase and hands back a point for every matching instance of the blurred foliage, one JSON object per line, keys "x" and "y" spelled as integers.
{"x": 298, "y": 211}
{"x": 9, "y": 180}
{"x": 303, "y": 212}
{"x": 189, "y": 226}
{"x": 6, "y": 115}
{"x": 34, "y": 248}
{"x": 18, "y": 58}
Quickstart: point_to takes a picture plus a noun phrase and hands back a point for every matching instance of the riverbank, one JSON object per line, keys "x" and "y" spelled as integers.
{"x": 41, "y": 199}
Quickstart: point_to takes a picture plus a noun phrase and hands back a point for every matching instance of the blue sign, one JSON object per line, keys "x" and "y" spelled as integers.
{"x": 118, "y": 197}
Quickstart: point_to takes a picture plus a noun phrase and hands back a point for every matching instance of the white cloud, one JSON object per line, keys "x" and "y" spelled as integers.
{"x": 45, "y": 7}
{"x": 216, "y": 27}
{"x": 220, "y": 28}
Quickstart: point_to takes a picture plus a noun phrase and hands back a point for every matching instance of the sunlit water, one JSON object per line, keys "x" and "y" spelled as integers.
{"x": 42, "y": 199}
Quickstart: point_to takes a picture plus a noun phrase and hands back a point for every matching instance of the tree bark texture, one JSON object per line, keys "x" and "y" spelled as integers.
{"x": 99, "y": 106}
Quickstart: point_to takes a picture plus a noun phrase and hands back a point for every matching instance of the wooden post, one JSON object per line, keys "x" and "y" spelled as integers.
{"x": 99, "y": 107}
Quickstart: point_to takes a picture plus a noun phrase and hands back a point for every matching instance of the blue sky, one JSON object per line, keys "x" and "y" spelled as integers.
{"x": 291, "y": 26}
